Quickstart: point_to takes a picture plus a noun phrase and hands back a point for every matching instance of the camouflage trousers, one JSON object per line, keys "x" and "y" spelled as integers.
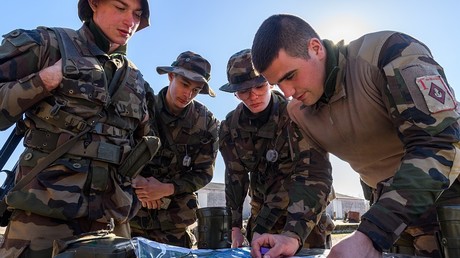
{"x": 30, "y": 235}
{"x": 182, "y": 237}
{"x": 420, "y": 239}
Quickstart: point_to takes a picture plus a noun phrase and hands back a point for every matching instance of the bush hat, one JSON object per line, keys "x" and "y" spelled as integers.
{"x": 241, "y": 73}
{"x": 193, "y": 67}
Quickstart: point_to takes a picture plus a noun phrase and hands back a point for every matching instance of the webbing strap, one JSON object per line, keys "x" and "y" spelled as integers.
{"x": 68, "y": 50}
{"x": 54, "y": 155}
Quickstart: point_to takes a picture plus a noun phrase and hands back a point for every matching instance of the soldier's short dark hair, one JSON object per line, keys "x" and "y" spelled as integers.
{"x": 281, "y": 31}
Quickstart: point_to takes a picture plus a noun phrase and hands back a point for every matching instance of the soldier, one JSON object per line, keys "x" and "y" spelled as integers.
{"x": 266, "y": 153}
{"x": 185, "y": 162}
{"x": 382, "y": 104}
{"x": 94, "y": 98}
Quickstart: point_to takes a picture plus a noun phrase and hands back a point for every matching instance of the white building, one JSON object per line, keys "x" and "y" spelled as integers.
{"x": 345, "y": 203}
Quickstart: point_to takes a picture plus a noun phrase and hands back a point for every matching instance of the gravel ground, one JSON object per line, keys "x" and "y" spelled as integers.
{"x": 337, "y": 237}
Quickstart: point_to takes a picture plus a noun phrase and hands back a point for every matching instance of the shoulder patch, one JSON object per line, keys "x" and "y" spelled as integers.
{"x": 437, "y": 94}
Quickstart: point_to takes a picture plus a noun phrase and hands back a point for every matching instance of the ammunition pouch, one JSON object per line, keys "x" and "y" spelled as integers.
{"x": 97, "y": 150}
{"x": 139, "y": 156}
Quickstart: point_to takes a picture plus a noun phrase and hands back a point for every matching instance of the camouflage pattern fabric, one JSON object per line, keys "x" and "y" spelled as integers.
{"x": 182, "y": 237}
{"x": 192, "y": 134}
{"x": 241, "y": 74}
{"x": 83, "y": 185}
{"x": 26, "y": 231}
{"x": 402, "y": 133}
{"x": 287, "y": 195}
{"x": 192, "y": 66}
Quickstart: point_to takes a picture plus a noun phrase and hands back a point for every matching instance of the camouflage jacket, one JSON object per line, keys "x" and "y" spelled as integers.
{"x": 83, "y": 182}
{"x": 279, "y": 187}
{"x": 186, "y": 158}
{"x": 393, "y": 118}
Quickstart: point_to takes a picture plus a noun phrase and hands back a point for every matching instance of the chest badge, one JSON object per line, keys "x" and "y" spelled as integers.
{"x": 271, "y": 156}
{"x": 187, "y": 161}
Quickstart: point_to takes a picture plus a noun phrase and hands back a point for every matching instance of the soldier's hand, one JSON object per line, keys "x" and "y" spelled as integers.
{"x": 279, "y": 245}
{"x": 138, "y": 181}
{"x": 52, "y": 76}
{"x": 153, "y": 189}
{"x": 355, "y": 245}
{"x": 151, "y": 205}
{"x": 237, "y": 237}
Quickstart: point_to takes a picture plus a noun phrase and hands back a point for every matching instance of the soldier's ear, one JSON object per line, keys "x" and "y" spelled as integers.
{"x": 171, "y": 77}
{"x": 93, "y": 4}
{"x": 317, "y": 48}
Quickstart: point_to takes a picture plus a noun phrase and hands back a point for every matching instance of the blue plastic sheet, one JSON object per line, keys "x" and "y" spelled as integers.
{"x": 150, "y": 249}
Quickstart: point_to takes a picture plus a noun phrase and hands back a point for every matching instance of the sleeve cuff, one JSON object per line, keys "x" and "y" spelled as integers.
{"x": 237, "y": 219}
{"x": 177, "y": 188}
{"x": 381, "y": 227}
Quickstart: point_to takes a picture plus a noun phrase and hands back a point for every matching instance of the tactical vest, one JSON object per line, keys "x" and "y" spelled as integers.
{"x": 258, "y": 163}
{"x": 85, "y": 91}
{"x": 179, "y": 152}
{"x": 276, "y": 136}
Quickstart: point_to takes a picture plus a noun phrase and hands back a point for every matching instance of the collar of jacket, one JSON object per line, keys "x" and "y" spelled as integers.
{"x": 102, "y": 41}
{"x": 332, "y": 69}
{"x": 333, "y": 87}
{"x": 184, "y": 119}
{"x": 260, "y": 118}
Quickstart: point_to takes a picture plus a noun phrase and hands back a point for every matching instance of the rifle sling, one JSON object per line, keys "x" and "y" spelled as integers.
{"x": 9, "y": 147}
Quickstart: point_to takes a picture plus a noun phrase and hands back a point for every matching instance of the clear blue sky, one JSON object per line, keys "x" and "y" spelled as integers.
{"x": 217, "y": 29}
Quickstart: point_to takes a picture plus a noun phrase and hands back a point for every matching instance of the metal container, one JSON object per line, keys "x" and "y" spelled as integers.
{"x": 214, "y": 228}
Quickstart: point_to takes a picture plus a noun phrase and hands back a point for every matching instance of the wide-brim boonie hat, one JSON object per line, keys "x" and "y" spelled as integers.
{"x": 85, "y": 13}
{"x": 241, "y": 74}
{"x": 193, "y": 67}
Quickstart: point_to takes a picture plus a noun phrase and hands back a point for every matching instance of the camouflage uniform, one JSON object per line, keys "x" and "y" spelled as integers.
{"x": 192, "y": 136}
{"x": 81, "y": 190}
{"x": 278, "y": 187}
{"x": 393, "y": 117}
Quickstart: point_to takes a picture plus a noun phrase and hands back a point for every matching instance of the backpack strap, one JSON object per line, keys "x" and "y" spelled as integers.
{"x": 68, "y": 51}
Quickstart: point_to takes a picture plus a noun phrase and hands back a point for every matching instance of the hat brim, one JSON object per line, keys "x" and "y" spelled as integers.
{"x": 234, "y": 87}
{"x": 189, "y": 75}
